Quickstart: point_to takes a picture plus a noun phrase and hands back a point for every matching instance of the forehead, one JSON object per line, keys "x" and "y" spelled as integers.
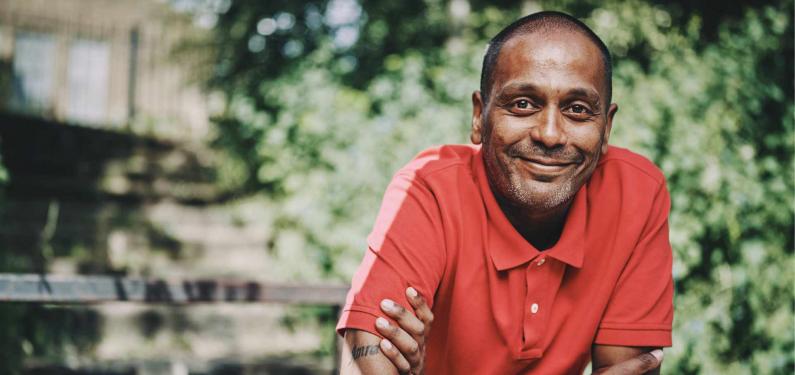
{"x": 551, "y": 59}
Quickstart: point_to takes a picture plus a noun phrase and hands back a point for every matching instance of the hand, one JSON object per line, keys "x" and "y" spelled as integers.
{"x": 640, "y": 364}
{"x": 405, "y": 345}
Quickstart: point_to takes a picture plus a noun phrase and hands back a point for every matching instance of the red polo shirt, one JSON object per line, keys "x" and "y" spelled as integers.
{"x": 500, "y": 305}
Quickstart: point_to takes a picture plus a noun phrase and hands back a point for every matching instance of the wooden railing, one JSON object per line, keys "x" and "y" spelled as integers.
{"x": 63, "y": 289}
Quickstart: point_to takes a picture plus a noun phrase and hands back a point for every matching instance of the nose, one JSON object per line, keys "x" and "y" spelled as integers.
{"x": 549, "y": 130}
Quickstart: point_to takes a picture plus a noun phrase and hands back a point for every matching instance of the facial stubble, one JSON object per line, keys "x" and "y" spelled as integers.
{"x": 526, "y": 193}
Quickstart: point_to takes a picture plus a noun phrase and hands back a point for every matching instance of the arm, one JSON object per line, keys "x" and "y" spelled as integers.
{"x": 403, "y": 348}
{"x": 405, "y": 248}
{"x": 639, "y": 314}
{"x": 610, "y": 359}
{"x": 361, "y": 355}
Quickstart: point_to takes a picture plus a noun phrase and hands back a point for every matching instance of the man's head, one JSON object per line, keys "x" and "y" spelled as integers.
{"x": 548, "y": 21}
{"x": 543, "y": 113}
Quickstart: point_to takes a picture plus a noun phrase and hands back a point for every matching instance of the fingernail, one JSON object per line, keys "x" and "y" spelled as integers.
{"x": 387, "y": 304}
{"x": 657, "y": 353}
{"x": 411, "y": 292}
{"x": 381, "y": 322}
{"x": 386, "y": 344}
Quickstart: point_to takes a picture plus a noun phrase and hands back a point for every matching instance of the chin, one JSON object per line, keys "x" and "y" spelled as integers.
{"x": 542, "y": 195}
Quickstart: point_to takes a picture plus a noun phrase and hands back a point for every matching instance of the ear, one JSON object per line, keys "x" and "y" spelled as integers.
{"x": 477, "y": 118}
{"x": 611, "y": 112}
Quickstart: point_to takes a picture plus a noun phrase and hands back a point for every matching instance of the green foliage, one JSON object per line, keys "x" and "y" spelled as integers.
{"x": 704, "y": 91}
{"x": 718, "y": 120}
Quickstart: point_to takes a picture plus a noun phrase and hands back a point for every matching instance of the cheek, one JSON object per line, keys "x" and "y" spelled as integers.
{"x": 587, "y": 138}
{"x": 508, "y": 130}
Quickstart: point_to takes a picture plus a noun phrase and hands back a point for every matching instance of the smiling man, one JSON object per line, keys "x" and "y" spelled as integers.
{"x": 537, "y": 249}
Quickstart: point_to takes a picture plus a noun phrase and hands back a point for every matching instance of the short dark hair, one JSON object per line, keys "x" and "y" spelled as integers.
{"x": 541, "y": 21}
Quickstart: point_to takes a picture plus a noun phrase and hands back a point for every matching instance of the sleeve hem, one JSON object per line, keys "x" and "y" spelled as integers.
{"x": 636, "y": 326}
{"x": 634, "y": 337}
{"x": 360, "y": 318}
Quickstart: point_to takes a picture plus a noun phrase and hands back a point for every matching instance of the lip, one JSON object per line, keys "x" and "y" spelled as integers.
{"x": 547, "y": 166}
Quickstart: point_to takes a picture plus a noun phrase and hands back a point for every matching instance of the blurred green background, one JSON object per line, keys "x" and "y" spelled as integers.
{"x": 315, "y": 104}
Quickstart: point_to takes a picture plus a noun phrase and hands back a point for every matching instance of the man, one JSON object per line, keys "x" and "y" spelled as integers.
{"x": 533, "y": 251}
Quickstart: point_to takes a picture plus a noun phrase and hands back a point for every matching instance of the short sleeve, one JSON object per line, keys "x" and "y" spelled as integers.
{"x": 405, "y": 248}
{"x": 640, "y": 310}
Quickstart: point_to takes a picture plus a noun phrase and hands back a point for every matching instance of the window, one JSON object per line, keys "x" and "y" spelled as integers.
{"x": 87, "y": 81}
{"x": 33, "y": 72}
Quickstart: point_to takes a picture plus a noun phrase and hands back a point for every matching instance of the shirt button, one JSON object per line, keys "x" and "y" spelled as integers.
{"x": 541, "y": 261}
{"x": 534, "y": 308}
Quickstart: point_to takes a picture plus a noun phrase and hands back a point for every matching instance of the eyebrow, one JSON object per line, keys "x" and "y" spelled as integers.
{"x": 588, "y": 94}
{"x": 517, "y": 88}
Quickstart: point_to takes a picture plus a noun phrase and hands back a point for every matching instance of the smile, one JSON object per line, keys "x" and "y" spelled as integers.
{"x": 542, "y": 166}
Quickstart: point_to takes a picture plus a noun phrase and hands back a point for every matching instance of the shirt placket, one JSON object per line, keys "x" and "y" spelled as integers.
{"x": 543, "y": 276}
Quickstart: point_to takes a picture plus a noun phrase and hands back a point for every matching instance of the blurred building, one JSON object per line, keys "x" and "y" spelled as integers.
{"x": 102, "y": 123}
{"x": 111, "y": 64}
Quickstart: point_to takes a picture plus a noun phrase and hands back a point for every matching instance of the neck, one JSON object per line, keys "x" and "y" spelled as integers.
{"x": 540, "y": 227}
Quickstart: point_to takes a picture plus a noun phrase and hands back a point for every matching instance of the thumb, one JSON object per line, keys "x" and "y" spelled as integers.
{"x": 638, "y": 365}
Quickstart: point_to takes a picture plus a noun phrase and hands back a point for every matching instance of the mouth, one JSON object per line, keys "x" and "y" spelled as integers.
{"x": 545, "y": 166}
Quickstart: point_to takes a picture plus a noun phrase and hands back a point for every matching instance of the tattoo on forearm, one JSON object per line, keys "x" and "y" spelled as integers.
{"x": 363, "y": 351}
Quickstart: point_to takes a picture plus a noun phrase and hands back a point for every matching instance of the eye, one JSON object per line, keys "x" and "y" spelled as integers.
{"x": 522, "y": 106}
{"x": 580, "y": 109}
{"x": 579, "y": 112}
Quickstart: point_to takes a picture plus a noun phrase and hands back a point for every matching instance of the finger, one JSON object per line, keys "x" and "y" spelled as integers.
{"x": 395, "y": 357}
{"x": 638, "y": 365}
{"x": 407, "y": 321}
{"x": 401, "y": 340}
{"x": 420, "y": 307}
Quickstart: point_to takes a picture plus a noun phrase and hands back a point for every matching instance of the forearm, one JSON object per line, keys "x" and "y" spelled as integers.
{"x": 601, "y": 369}
{"x": 361, "y": 355}
{"x": 610, "y": 359}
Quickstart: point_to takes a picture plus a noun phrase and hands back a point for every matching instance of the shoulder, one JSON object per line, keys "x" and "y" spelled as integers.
{"x": 440, "y": 163}
{"x": 621, "y": 165}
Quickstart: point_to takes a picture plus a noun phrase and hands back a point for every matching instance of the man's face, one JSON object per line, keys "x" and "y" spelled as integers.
{"x": 546, "y": 122}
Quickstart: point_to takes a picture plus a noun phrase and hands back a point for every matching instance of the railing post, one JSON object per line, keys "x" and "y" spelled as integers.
{"x": 132, "y": 73}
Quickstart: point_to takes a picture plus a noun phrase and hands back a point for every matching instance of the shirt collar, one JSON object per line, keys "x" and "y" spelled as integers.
{"x": 509, "y": 249}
